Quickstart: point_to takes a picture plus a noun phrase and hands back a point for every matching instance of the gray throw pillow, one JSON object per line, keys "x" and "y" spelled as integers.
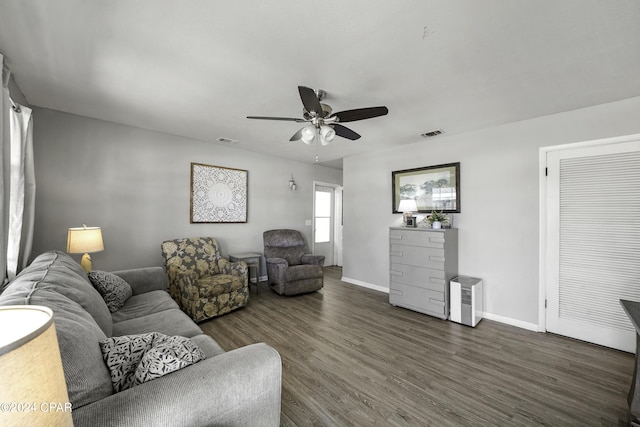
{"x": 135, "y": 359}
{"x": 114, "y": 290}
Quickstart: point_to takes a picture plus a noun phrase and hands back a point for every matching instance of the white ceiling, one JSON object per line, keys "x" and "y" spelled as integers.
{"x": 197, "y": 68}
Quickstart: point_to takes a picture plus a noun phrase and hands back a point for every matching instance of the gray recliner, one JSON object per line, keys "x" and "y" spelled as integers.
{"x": 291, "y": 270}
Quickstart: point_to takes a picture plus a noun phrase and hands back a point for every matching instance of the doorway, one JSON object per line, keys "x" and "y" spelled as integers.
{"x": 590, "y": 239}
{"x": 327, "y": 222}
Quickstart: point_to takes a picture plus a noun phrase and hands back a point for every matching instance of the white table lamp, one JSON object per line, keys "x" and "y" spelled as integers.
{"x": 85, "y": 240}
{"x": 407, "y": 207}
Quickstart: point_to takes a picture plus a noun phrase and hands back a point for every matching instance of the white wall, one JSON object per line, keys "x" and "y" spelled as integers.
{"x": 499, "y": 219}
{"x": 135, "y": 184}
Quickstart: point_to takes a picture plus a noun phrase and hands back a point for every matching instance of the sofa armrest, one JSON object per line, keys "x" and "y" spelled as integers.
{"x": 145, "y": 279}
{"x": 313, "y": 259}
{"x": 237, "y": 388}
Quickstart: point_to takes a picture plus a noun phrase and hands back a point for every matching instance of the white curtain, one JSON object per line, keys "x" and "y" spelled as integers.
{"x": 18, "y": 183}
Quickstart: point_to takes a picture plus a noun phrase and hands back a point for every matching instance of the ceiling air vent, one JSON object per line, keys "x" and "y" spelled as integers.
{"x": 432, "y": 133}
{"x": 228, "y": 141}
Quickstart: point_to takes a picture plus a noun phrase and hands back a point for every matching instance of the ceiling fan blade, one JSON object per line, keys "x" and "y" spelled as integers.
{"x": 345, "y": 132}
{"x": 297, "y": 136}
{"x": 288, "y": 119}
{"x": 360, "y": 114}
{"x": 310, "y": 101}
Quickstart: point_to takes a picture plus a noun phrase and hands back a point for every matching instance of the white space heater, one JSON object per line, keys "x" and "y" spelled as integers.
{"x": 466, "y": 300}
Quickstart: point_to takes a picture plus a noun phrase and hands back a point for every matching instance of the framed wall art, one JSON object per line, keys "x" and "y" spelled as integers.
{"x": 218, "y": 194}
{"x": 432, "y": 187}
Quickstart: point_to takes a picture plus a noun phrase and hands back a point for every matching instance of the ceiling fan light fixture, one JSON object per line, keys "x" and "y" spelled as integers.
{"x": 308, "y": 134}
{"x": 323, "y": 125}
{"x": 327, "y": 134}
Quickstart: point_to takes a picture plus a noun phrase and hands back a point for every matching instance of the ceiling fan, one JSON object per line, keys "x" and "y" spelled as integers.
{"x": 325, "y": 124}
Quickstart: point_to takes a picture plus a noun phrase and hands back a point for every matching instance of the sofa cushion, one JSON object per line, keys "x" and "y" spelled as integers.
{"x": 136, "y": 359}
{"x": 58, "y": 271}
{"x": 85, "y": 373}
{"x": 168, "y": 322}
{"x": 114, "y": 290}
{"x": 144, "y": 304}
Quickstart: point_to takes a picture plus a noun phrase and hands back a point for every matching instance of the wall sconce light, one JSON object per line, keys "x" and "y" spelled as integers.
{"x": 292, "y": 184}
{"x": 85, "y": 240}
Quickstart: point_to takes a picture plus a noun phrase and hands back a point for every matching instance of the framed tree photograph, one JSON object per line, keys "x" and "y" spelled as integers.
{"x": 218, "y": 194}
{"x": 432, "y": 188}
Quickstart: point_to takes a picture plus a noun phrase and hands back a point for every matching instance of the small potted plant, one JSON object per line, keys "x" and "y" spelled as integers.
{"x": 436, "y": 219}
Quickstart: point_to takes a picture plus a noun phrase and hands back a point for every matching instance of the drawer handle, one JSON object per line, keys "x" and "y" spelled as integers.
{"x": 395, "y": 236}
{"x": 436, "y": 258}
{"x": 396, "y": 253}
{"x": 436, "y": 240}
{"x": 396, "y": 273}
{"x": 395, "y": 291}
{"x": 436, "y": 302}
{"x": 436, "y": 280}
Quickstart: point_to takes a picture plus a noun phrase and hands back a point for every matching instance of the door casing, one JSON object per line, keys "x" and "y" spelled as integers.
{"x": 545, "y": 217}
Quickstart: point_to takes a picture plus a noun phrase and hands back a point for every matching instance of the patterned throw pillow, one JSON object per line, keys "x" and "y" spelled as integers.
{"x": 114, "y": 290}
{"x": 135, "y": 359}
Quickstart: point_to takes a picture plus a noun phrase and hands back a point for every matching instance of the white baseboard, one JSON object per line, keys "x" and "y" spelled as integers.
{"x": 365, "y": 284}
{"x": 496, "y": 318}
{"x": 513, "y": 322}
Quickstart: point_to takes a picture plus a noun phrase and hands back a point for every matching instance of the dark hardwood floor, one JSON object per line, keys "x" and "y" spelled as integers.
{"x": 350, "y": 358}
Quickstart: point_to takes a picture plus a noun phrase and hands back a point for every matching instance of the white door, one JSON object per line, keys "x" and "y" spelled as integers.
{"x": 323, "y": 227}
{"x": 593, "y": 242}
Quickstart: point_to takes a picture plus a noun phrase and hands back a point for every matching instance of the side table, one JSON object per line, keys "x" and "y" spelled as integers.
{"x": 253, "y": 260}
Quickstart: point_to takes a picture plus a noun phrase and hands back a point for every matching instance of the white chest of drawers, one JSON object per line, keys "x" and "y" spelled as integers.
{"x": 422, "y": 262}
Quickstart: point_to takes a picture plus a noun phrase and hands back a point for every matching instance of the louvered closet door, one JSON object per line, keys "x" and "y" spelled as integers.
{"x": 593, "y": 252}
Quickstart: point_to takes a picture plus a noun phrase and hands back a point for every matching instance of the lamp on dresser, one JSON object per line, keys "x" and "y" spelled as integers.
{"x": 85, "y": 240}
{"x": 408, "y": 207}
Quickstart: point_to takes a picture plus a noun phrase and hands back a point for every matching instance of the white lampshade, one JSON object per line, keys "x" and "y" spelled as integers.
{"x": 31, "y": 368}
{"x": 327, "y": 134}
{"x": 85, "y": 240}
{"x": 407, "y": 205}
{"x": 308, "y": 134}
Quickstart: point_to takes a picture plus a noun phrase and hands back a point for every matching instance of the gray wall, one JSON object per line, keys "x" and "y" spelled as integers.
{"x": 499, "y": 222}
{"x": 134, "y": 183}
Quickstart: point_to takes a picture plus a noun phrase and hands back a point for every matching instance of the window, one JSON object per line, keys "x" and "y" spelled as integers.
{"x": 322, "y": 216}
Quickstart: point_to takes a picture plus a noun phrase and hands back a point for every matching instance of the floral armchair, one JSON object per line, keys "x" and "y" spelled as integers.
{"x": 204, "y": 284}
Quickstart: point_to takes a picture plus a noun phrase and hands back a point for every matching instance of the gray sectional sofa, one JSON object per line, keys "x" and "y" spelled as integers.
{"x": 239, "y": 387}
